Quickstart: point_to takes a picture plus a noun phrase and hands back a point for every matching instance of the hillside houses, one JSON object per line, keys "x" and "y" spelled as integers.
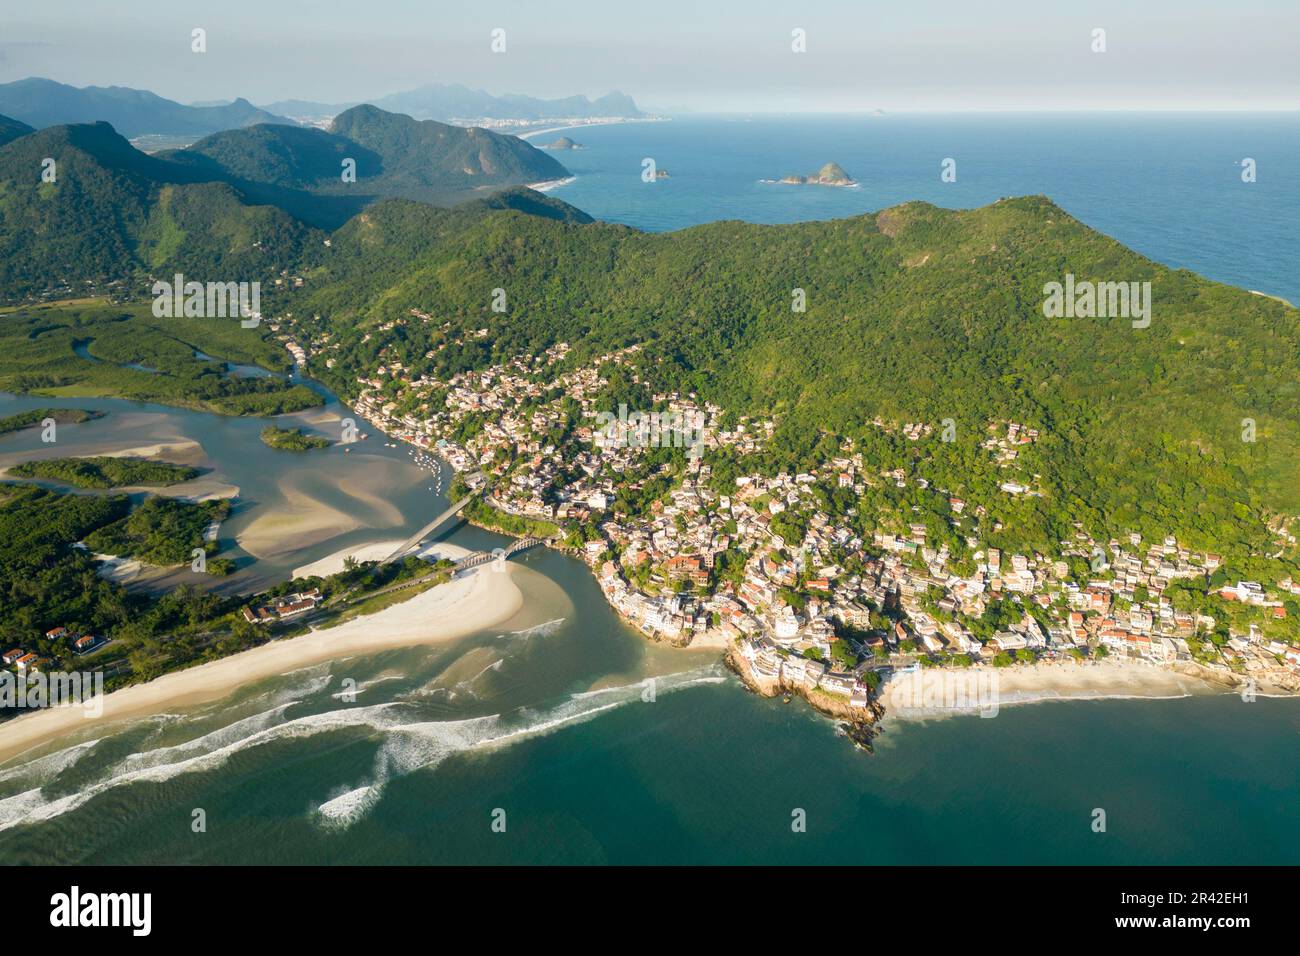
{"x": 763, "y": 560}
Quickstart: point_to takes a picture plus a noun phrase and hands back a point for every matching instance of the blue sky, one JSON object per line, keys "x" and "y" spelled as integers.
{"x": 707, "y": 55}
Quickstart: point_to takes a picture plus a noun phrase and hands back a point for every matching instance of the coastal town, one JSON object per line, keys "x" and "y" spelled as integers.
{"x": 803, "y": 594}
{"x": 761, "y": 567}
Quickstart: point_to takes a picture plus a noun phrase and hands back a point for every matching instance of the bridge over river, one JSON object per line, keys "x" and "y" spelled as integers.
{"x": 498, "y": 554}
{"x": 414, "y": 540}
{"x": 470, "y": 560}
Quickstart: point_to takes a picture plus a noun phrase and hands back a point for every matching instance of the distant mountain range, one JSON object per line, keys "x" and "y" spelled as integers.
{"x": 445, "y": 102}
{"x": 394, "y": 156}
{"x": 241, "y": 202}
{"x": 40, "y": 103}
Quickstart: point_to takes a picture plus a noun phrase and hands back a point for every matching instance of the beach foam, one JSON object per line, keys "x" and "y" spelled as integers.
{"x": 474, "y": 601}
{"x": 407, "y": 745}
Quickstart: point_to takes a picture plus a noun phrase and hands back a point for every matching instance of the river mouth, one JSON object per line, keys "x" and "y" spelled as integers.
{"x": 558, "y": 658}
{"x": 288, "y": 508}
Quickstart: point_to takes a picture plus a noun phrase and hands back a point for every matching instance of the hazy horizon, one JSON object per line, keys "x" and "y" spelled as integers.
{"x": 937, "y": 56}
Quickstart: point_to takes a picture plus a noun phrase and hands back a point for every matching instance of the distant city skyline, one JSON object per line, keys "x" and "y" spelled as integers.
{"x": 937, "y": 55}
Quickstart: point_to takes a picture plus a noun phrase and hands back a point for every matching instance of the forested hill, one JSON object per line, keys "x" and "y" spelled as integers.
{"x": 914, "y": 314}
{"x": 242, "y": 205}
{"x": 111, "y": 213}
{"x": 392, "y": 156}
{"x": 11, "y": 129}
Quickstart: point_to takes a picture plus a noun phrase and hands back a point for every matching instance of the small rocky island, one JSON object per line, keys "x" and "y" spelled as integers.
{"x": 832, "y": 174}
{"x": 564, "y": 143}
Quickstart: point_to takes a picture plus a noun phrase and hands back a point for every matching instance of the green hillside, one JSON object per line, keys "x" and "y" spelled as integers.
{"x": 395, "y": 156}
{"x": 424, "y": 153}
{"x": 914, "y": 314}
{"x": 11, "y": 129}
{"x": 114, "y": 214}
{"x": 292, "y": 157}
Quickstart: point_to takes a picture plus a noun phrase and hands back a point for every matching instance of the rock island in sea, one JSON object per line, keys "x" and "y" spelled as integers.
{"x": 832, "y": 174}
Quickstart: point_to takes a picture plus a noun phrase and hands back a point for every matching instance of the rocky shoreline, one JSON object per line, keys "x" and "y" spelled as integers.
{"x": 859, "y": 724}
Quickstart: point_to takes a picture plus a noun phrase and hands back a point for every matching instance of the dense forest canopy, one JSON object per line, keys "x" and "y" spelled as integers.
{"x": 914, "y": 314}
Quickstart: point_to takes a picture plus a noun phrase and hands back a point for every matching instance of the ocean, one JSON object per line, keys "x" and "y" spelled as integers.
{"x": 1168, "y": 184}
{"x": 536, "y": 743}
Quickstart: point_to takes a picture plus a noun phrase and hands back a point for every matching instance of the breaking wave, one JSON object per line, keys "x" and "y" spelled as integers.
{"x": 545, "y": 629}
{"x": 407, "y": 746}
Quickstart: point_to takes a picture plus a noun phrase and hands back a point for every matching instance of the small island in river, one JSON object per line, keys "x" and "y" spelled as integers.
{"x": 106, "y": 471}
{"x": 291, "y": 439}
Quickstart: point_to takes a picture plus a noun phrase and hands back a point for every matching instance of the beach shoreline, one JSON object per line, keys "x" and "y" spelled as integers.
{"x": 334, "y": 563}
{"x": 475, "y": 600}
{"x": 549, "y": 184}
{"x": 951, "y": 691}
{"x": 621, "y": 121}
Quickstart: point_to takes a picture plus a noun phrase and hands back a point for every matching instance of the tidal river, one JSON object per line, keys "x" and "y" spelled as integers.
{"x": 581, "y": 741}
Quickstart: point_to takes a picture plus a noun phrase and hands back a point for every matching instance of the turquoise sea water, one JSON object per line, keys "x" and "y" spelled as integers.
{"x": 544, "y": 719}
{"x": 1168, "y": 185}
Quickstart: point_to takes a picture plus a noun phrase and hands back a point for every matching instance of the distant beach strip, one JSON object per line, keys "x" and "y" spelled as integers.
{"x": 550, "y": 184}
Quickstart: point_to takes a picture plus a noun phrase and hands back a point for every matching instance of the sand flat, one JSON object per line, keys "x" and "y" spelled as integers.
{"x": 301, "y": 522}
{"x": 302, "y": 519}
{"x": 333, "y": 563}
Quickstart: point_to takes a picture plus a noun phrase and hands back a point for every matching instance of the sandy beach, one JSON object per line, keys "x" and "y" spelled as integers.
{"x": 333, "y": 563}
{"x": 940, "y": 691}
{"x": 595, "y": 121}
{"x": 550, "y": 184}
{"x": 377, "y": 551}
{"x": 477, "y": 599}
